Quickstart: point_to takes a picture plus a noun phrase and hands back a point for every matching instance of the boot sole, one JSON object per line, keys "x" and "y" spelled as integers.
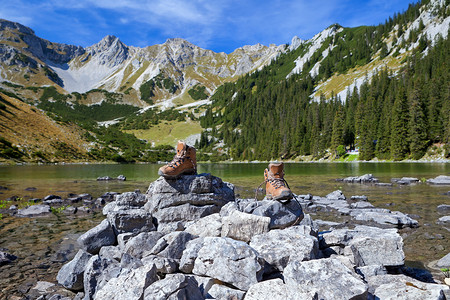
{"x": 285, "y": 196}
{"x": 184, "y": 172}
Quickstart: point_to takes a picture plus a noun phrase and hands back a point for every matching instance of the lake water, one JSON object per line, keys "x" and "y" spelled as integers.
{"x": 39, "y": 242}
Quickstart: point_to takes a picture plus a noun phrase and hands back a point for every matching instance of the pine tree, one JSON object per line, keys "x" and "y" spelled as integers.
{"x": 417, "y": 129}
{"x": 337, "y": 137}
{"x": 399, "y": 133}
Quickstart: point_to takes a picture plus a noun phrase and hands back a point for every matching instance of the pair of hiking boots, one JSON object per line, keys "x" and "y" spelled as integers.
{"x": 185, "y": 162}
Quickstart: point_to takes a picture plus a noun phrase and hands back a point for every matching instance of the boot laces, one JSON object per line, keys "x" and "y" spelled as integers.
{"x": 277, "y": 182}
{"x": 178, "y": 159}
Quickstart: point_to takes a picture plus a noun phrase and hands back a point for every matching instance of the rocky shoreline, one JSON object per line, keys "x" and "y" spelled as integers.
{"x": 193, "y": 239}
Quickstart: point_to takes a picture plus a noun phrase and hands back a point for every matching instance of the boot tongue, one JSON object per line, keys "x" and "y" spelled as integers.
{"x": 276, "y": 170}
{"x": 181, "y": 148}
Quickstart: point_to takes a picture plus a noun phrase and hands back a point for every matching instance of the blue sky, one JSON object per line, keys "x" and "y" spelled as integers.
{"x": 219, "y": 25}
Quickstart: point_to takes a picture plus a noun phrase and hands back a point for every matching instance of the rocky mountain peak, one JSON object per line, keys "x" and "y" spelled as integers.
{"x": 109, "y": 51}
{"x": 4, "y": 24}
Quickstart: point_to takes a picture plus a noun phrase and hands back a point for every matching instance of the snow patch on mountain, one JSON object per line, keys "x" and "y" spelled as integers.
{"x": 315, "y": 44}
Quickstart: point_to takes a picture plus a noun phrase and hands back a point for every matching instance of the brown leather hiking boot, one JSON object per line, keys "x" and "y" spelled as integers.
{"x": 184, "y": 162}
{"x": 275, "y": 184}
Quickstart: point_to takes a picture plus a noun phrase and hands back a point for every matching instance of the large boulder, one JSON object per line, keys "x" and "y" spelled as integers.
{"x": 129, "y": 285}
{"x": 131, "y": 220}
{"x": 327, "y": 277}
{"x": 242, "y": 226}
{"x": 174, "y": 286}
{"x": 366, "y": 245}
{"x": 71, "y": 274}
{"x": 126, "y": 213}
{"x": 230, "y": 261}
{"x": 97, "y": 237}
{"x": 390, "y": 287}
{"x": 188, "y": 198}
{"x": 279, "y": 247}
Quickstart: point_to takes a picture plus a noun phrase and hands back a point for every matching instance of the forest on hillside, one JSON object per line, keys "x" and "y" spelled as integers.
{"x": 391, "y": 116}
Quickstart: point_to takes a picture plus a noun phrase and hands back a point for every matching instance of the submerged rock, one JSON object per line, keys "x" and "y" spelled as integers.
{"x": 440, "y": 180}
{"x": 366, "y": 178}
{"x": 6, "y": 258}
{"x": 34, "y": 211}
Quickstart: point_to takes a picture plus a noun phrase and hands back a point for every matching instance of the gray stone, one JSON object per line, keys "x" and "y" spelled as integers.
{"x": 444, "y": 262}
{"x": 53, "y": 202}
{"x": 71, "y": 274}
{"x": 440, "y": 180}
{"x": 98, "y": 272}
{"x": 405, "y": 180}
{"x": 172, "y": 245}
{"x": 130, "y": 200}
{"x": 163, "y": 265}
{"x": 243, "y": 226}
{"x": 174, "y": 286}
{"x": 207, "y": 226}
{"x": 275, "y": 289}
{"x": 443, "y": 208}
{"x": 123, "y": 238}
{"x": 6, "y": 258}
{"x": 373, "y": 270}
{"x": 97, "y": 237}
{"x": 131, "y": 220}
{"x": 143, "y": 242}
{"x": 121, "y": 178}
{"x": 368, "y": 245}
{"x": 233, "y": 262}
{"x": 336, "y": 195}
{"x": 228, "y": 208}
{"x": 367, "y": 178}
{"x": 110, "y": 252}
{"x": 327, "y": 277}
{"x": 104, "y": 178}
{"x": 444, "y": 220}
{"x": 34, "y": 210}
{"x": 281, "y": 215}
{"x": 361, "y": 204}
{"x": 51, "y": 197}
{"x": 390, "y": 218}
{"x": 279, "y": 247}
{"x": 386, "y": 287}
{"x": 359, "y": 198}
{"x": 130, "y": 286}
{"x": 190, "y": 254}
{"x": 218, "y": 291}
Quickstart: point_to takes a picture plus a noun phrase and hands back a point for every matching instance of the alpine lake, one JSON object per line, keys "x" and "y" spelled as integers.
{"x": 44, "y": 244}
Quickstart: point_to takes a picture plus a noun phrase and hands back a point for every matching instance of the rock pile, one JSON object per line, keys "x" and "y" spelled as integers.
{"x": 190, "y": 239}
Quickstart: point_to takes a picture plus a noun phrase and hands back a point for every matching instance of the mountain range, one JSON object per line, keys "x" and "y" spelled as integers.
{"x": 184, "y": 76}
